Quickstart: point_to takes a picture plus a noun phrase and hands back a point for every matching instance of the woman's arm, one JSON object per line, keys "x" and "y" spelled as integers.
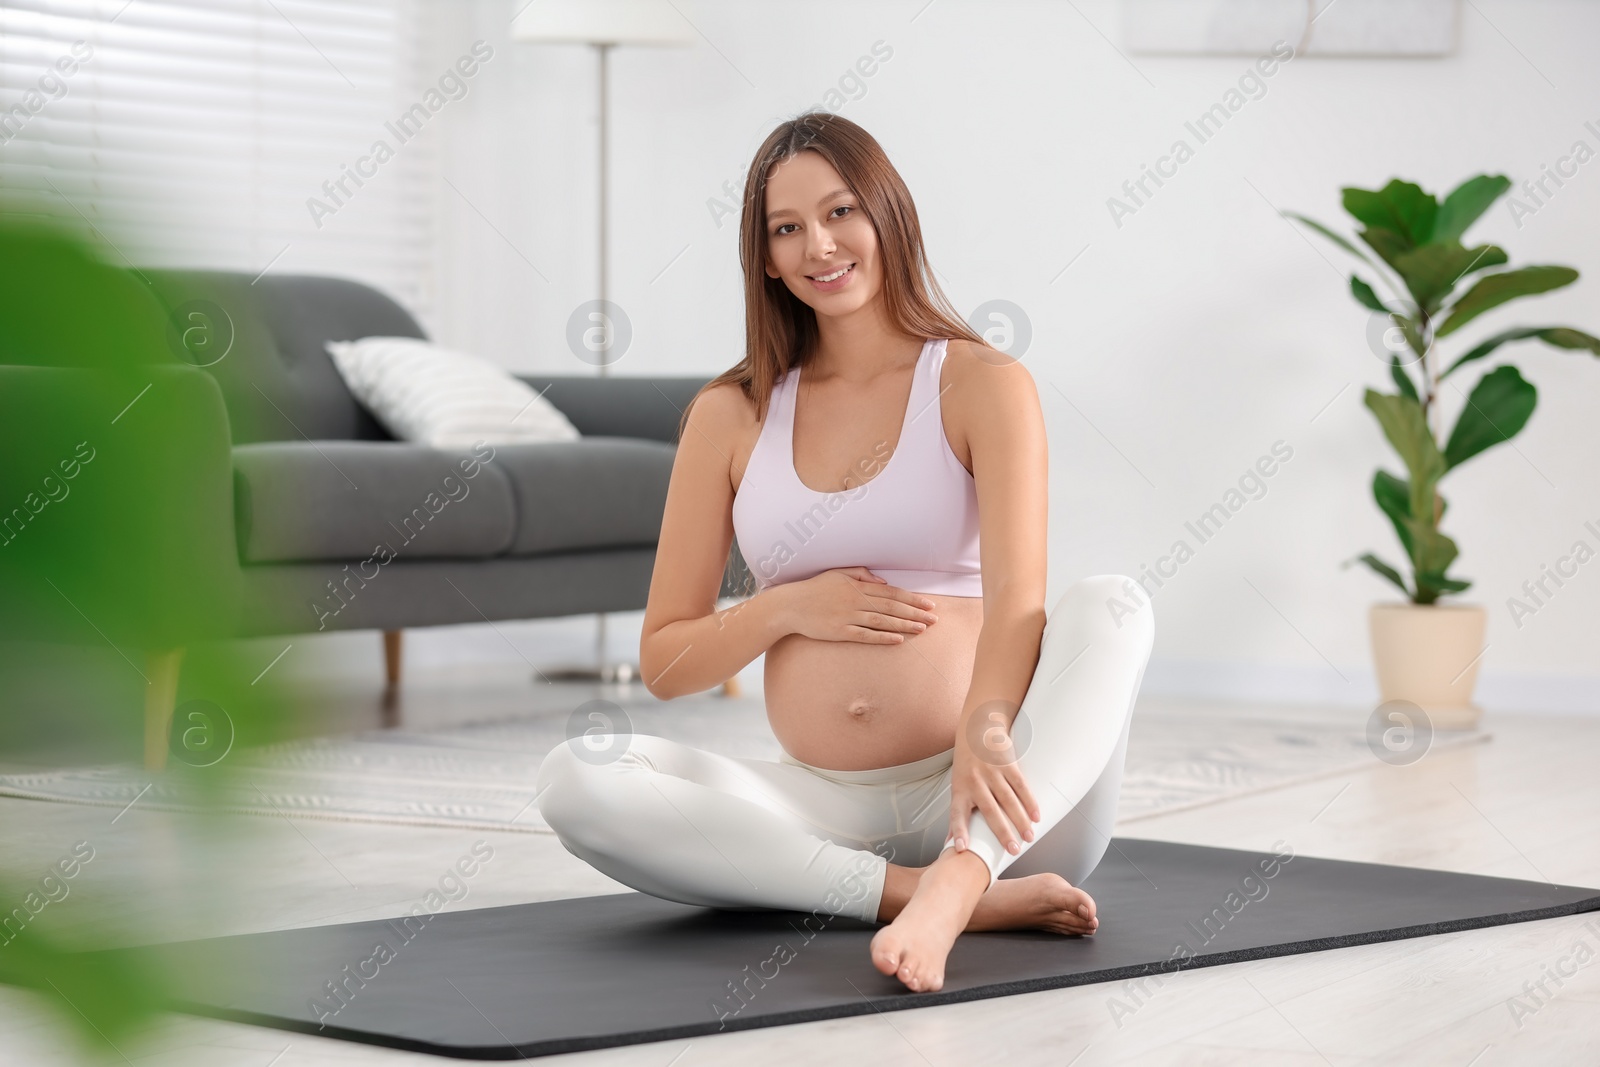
{"x": 692, "y": 655}
{"x": 687, "y": 646}
{"x": 999, "y": 411}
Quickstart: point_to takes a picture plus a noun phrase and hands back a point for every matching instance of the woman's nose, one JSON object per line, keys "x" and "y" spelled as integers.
{"x": 821, "y": 244}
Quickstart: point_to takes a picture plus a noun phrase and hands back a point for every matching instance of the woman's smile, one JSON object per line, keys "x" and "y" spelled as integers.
{"x": 834, "y": 279}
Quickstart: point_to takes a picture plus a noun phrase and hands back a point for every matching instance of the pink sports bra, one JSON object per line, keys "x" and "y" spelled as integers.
{"x": 914, "y": 523}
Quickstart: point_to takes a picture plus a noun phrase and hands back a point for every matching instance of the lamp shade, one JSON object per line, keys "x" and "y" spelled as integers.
{"x": 635, "y": 22}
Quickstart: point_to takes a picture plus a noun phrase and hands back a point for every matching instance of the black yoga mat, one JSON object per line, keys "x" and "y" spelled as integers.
{"x": 592, "y": 972}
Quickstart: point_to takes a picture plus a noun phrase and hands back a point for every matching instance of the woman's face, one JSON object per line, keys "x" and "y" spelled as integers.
{"x": 815, "y": 228}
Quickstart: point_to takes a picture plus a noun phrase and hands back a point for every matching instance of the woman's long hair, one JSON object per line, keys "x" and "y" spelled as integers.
{"x": 780, "y": 329}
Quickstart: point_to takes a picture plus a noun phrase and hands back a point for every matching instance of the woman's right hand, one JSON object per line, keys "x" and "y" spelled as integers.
{"x": 853, "y": 604}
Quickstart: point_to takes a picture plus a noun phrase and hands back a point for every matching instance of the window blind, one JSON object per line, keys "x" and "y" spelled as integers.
{"x": 223, "y": 133}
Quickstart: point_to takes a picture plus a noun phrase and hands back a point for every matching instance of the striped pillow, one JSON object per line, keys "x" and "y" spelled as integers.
{"x": 442, "y": 398}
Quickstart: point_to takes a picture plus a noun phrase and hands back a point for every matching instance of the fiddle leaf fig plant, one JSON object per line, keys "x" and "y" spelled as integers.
{"x": 1436, "y": 285}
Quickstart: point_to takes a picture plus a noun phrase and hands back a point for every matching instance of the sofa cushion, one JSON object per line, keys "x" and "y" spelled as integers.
{"x": 599, "y": 492}
{"x": 445, "y": 398}
{"x": 349, "y": 500}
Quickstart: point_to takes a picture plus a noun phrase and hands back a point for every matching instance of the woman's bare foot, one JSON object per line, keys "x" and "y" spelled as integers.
{"x": 1037, "y": 902}
{"x": 913, "y": 947}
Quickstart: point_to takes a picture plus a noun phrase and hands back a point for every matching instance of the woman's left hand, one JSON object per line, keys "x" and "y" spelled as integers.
{"x": 985, "y": 775}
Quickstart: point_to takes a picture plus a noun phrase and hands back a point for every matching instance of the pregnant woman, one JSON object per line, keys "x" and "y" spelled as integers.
{"x": 951, "y": 753}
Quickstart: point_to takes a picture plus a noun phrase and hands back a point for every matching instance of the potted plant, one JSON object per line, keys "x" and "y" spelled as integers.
{"x": 1426, "y": 652}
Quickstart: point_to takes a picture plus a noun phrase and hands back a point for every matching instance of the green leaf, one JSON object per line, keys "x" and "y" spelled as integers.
{"x": 1384, "y": 569}
{"x": 1389, "y": 245}
{"x": 1394, "y": 499}
{"x": 1560, "y": 336}
{"x": 1412, "y": 329}
{"x": 1370, "y": 209}
{"x": 105, "y": 999}
{"x": 1402, "y": 380}
{"x": 1432, "y": 552}
{"x": 1430, "y": 586}
{"x": 1329, "y": 234}
{"x": 1498, "y": 408}
{"x": 1415, "y": 209}
{"x": 1407, "y": 430}
{"x": 1466, "y": 203}
{"x": 1496, "y": 289}
{"x": 1432, "y": 270}
{"x": 1399, "y": 206}
{"x": 1429, "y": 551}
{"x": 1363, "y": 293}
{"x": 1484, "y": 257}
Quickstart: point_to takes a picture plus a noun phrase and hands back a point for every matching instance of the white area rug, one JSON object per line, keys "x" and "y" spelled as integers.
{"x": 482, "y": 776}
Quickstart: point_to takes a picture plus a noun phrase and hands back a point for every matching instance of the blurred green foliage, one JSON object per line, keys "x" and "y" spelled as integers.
{"x": 116, "y": 544}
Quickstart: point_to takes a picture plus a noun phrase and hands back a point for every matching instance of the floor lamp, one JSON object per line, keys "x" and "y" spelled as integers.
{"x": 602, "y": 25}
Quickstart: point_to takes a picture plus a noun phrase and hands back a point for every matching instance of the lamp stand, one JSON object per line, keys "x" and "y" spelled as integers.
{"x": 624, "y": 672}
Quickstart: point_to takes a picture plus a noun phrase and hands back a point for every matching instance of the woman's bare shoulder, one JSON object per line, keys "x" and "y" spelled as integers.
{"x": 722, "y": 406}
{"x": 986, "y": 376}
{"x": 723, "y": 422}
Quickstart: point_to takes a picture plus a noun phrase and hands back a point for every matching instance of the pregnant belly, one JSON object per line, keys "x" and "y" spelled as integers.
{"x": 848, "y": 705}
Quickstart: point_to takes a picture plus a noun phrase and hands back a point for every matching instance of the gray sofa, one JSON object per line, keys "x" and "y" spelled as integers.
{"x": 540, "y": 530}
{"x": 332, "y": 525}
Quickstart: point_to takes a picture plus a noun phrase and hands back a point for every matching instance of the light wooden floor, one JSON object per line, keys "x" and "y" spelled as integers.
{"x": 1525, "y": 805}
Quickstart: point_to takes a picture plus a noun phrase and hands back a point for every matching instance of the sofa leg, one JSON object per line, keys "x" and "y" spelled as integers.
{"x": 730, "y": 688}
{"x": 391, "y": 657}
{"x": 389, "y": 706}
{"x": 160, "y": 694}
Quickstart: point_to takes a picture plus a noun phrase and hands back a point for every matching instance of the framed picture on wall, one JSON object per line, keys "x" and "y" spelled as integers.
{"x": 1313, "y": 27}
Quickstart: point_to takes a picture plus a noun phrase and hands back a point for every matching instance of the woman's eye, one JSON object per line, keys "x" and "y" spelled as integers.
{"x": 780, "y": 231}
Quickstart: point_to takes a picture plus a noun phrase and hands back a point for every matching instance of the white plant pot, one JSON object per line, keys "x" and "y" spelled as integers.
{"x": 1429, "y": 654}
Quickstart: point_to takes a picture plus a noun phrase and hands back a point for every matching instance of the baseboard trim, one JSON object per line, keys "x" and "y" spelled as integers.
{"x": 1235, "y": 681}
{"x": 1499, "y": 691}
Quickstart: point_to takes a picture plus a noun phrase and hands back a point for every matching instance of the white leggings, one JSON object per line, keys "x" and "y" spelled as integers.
{"x": 719, "y": 831}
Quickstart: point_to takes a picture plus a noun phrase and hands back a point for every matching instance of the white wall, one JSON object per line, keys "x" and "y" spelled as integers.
{"x": 1188, "y": 340}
